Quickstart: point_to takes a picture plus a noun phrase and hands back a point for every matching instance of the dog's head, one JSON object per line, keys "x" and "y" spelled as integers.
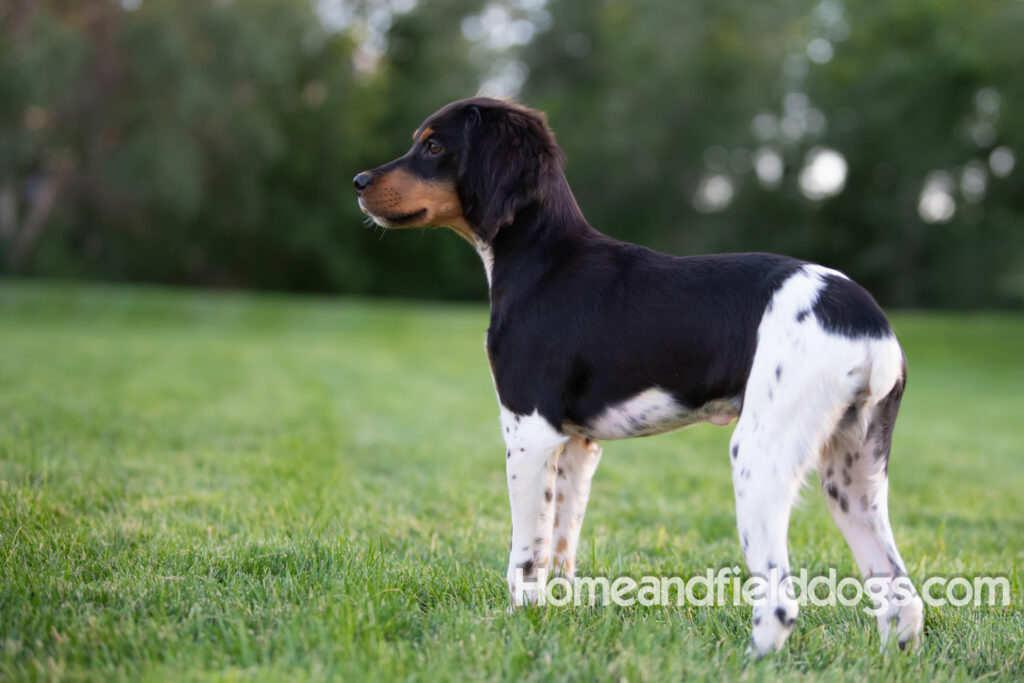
{"x": 472, "y": 166}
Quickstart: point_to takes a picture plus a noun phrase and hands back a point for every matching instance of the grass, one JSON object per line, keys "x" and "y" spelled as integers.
{"x": 201, "y": 486}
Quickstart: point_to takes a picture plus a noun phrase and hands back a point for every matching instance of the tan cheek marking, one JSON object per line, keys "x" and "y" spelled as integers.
{"x": 399, "y": 193}
{"x": 445, "y": 209}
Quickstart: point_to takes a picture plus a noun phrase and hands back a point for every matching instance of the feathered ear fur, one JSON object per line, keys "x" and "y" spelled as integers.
{"x": 509, "y": 156}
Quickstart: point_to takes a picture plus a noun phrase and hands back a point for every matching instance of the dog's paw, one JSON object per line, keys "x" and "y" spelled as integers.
{"x": 772, "y": 625}
{"x": 524, "y": 593}
{"x": 903, "y": 626}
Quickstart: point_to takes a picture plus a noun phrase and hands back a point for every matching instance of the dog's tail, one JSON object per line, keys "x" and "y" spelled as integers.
{"x": 888, "y": 369}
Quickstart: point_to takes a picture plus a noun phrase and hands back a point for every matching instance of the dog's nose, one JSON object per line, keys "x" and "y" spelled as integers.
{"x": 362, "y": 181}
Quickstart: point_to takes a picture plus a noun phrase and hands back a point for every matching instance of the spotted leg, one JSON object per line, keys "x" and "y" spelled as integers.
{"x": 531, "y": 464}
{"x": 767, "y": 470}
{"x": 576, "y": 468}
{"x": 854, "y": 477}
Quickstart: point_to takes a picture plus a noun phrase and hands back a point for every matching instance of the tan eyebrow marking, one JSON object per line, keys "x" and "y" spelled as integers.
{"x": 427, "y": 132}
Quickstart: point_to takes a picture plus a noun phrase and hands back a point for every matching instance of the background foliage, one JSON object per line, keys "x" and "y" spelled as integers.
{"x": 213, "y": 142}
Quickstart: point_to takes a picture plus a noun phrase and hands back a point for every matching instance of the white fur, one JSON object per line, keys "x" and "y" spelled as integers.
{"x": 576, "y": 468}
{"x": 487, "y": 256}
{"x": 861, "y": 511}
{"x": 652, "y": 411}
{"x": 802, "y": 381}
{"x": 531, "y": 463}
{"x": 548, "y": 478}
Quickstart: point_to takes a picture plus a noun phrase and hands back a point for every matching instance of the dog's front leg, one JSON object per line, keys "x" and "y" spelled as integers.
{"x": 531, "y": 463}
{"x": 576, "y": 468}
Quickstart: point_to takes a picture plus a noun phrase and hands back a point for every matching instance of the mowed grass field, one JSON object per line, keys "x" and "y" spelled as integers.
{"x": 206, "y": 486}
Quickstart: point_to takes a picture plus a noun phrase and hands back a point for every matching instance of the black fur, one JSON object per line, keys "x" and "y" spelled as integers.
{"x": 507, "y": 157}
{"x": 844, "y": 307}
{"x": 622, "y": 305}
{"x": 884, "y": 419}
{"x": 580, "y": 321}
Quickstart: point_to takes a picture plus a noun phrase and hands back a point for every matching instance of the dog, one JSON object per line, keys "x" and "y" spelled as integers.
{"x": 594, "y": 339}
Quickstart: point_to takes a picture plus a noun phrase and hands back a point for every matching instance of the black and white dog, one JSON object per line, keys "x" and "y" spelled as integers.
{"x": 592, "y": 339}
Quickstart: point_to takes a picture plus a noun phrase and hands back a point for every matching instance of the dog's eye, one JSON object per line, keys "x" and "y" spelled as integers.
{"x": 433, "y": 148}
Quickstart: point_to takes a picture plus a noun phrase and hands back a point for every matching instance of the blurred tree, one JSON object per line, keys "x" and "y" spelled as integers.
{"x": 213, "y": 143}
{"x": 692, "y": 127}
{"x": 655, "y": 93}
{"x": 926, "y": 89}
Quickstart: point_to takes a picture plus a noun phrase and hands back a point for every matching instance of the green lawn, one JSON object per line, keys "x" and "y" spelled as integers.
{"x": 206, "y": 486}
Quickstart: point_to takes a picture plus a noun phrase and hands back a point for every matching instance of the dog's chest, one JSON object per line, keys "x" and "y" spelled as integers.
{"x": 651, "y": 411}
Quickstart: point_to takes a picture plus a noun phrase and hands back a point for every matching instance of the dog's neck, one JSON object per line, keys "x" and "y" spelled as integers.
{"x": 540, "y": 236}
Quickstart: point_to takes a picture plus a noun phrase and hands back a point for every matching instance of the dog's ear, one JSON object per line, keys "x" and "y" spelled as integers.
{"x": 508, "y": 157}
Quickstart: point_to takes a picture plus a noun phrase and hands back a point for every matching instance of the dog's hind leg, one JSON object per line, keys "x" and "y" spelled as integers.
{"x": 854, "y": 477}
{"x": 768, "y": 467}
{"x": 576, "y": 468}
{"x": 531, "y": 466}
{"x": 793, "y": 400}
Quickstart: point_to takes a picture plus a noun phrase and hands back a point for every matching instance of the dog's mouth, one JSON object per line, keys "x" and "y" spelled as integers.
{"x": 393, "y": 220}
